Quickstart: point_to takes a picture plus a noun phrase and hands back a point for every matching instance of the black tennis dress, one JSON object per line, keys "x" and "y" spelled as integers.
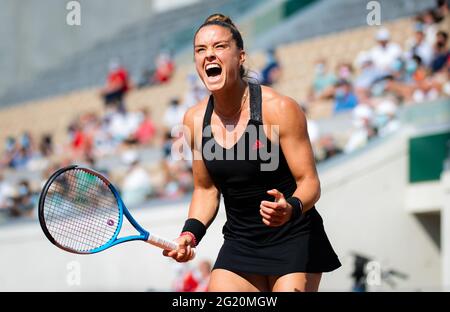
{"x": 243, "y": 174}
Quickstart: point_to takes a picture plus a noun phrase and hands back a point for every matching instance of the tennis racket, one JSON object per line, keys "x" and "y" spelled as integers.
{"x": 81, "y": 212}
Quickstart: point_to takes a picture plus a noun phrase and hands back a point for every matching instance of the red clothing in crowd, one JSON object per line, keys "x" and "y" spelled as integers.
{"x": 145, "y": 132}
{"x": 79, "y": 140}
{"x": 164, "y": 72}
{"x": 190, "y": 283}
{"x": 119, "y": 77}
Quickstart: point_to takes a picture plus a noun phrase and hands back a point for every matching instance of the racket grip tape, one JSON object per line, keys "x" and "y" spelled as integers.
{"x": 165, "y": 244}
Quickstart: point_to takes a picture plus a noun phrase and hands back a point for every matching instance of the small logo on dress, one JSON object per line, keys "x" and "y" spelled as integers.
{"x": 258, "y": 144}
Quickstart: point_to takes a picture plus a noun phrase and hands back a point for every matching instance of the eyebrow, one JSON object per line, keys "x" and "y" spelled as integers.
{"x": 215, "y": 43}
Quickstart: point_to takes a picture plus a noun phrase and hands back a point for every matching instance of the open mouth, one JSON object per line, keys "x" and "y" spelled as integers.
{"x": 213, "y": 70}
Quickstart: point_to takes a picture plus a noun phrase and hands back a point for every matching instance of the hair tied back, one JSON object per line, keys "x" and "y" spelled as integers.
{"x": 218, "y": 17}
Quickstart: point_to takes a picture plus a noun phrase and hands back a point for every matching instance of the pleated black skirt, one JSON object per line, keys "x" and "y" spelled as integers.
{"x": 310, "y": 252}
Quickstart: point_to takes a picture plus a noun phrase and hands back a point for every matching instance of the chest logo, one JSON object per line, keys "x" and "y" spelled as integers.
{"x": 257, "y": 145}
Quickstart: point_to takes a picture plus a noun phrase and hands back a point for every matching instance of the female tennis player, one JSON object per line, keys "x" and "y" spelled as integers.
{"x": 274, "y": 239}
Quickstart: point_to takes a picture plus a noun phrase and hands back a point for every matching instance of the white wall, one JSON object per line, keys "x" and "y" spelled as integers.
{"x": 363, "y": 206}
{"x": 445, "y": 230}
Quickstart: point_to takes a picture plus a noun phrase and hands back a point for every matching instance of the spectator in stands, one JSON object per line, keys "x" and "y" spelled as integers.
{"x": 177, "y": 169}
{"x": 193, "y": 280}
{"x": 10, "y": 144}
{"x": 327, "y": 148}
{"x": 78, "y": 141}
{"x": 440, "y": 80}
{"x": 24, "y": 200}
{"x": 323, "y": 81}
{"x": 146, "y": 131}
{"x": 272, "y": 71}
{"x": 313, "y": 131}
{"x": 137, "y": 184}
{"x": 441, "y": 52}
{"x": 368, "y": 75}
{"x": 416, "y": 85}
{"x": 27, "y": 143}
{"x": 323, "y": 146}
{"x": 146, "y": 78}
{"x": 422, "y": 86}
{"x": 446, "y": 83}
{"x": 5, "y": 190}
{"x": 429, "y": 20}
{"x": 93, "y": 133}
{"x": 203, "y": 275}
{"x": 165, "y": 67}
{"x": 344, "y": 97}
{"x": 174, "y": 114}
{"x": 189, "y": 282}
{"x": 196, "y": 91}
{"x": 386, "y": 121}
{"x": 312, "y": 126}
{"x": 18, "y": 153}
{"x": 180, "y": 271}
{"x": 419, "y": 46}
{"x": 363, "y": 128}
{"x": 415, "y": 69}
{"x": 46, "y": 147}
{"x": 121, "y": 127}
{"x": 442, "y": 9}
{"x": 10, "y": 150}
{"x": 102, "y": 140}
{"x": 167, "y": 145}
{"x": 19, "y": 158}
{"x": 401, "y": 70}
{"x": 385, "y": 52}
{"x": 117, "y": 85}
{"x": 344, "y": 71}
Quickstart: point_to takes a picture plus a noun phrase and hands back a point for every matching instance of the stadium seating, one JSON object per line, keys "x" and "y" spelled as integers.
{"x": 297, "y": 60}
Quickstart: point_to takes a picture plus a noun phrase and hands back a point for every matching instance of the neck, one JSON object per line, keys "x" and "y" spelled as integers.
{"x": 229, "y": 100}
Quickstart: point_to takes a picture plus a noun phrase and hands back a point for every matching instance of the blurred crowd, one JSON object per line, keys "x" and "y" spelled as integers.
{"x": 380, "y": 81}
{"x": 188, "y": 279}
{"x": 118, "y": 134}
{"x": 371, "y": 89}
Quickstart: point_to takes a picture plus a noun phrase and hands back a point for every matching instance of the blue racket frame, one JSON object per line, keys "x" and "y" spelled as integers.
{"x": 143, "y": 234}
{"x": 122, "y": 211}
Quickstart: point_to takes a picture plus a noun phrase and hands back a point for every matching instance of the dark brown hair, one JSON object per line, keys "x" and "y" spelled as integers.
{"x": 225, "y": 21}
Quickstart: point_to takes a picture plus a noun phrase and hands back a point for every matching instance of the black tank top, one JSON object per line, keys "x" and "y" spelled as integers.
{"x": 244, "y": 173}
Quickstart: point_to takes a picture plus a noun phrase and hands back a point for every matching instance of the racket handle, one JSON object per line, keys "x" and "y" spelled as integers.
{"x": 165, "y": 244}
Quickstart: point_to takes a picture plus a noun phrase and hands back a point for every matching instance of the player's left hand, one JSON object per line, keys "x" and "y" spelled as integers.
{"x": 275, "y": 213}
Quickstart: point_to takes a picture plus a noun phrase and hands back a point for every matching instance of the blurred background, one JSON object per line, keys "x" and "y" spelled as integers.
{"x": 101, "y": 83}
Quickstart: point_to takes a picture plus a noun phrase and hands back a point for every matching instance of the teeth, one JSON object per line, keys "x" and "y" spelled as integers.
{"x": 209, "y": 66}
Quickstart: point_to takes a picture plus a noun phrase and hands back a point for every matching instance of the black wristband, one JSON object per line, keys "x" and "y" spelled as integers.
{"x": 196, "y": 227}
{"x": 297, "y": 207}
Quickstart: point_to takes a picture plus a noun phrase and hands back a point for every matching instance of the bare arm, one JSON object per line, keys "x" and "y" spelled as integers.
{"x": 294, "y": 141}
{"x": 205, "y": 198}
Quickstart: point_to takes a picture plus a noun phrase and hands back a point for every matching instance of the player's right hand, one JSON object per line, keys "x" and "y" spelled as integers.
{"x": 185, "y": 250}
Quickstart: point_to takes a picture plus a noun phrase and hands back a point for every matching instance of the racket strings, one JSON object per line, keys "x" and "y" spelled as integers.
{"x": 60, "y": 224}
{"x": 81, "y": 212}
{"x": 74, "y": 214}
{"x": 68, "y": 221}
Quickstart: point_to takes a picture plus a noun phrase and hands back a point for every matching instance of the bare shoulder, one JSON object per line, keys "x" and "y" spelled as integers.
{"x": 193, "y": 122}
{"x": 278, "y": 108}
{"x": 195, "y": 113}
